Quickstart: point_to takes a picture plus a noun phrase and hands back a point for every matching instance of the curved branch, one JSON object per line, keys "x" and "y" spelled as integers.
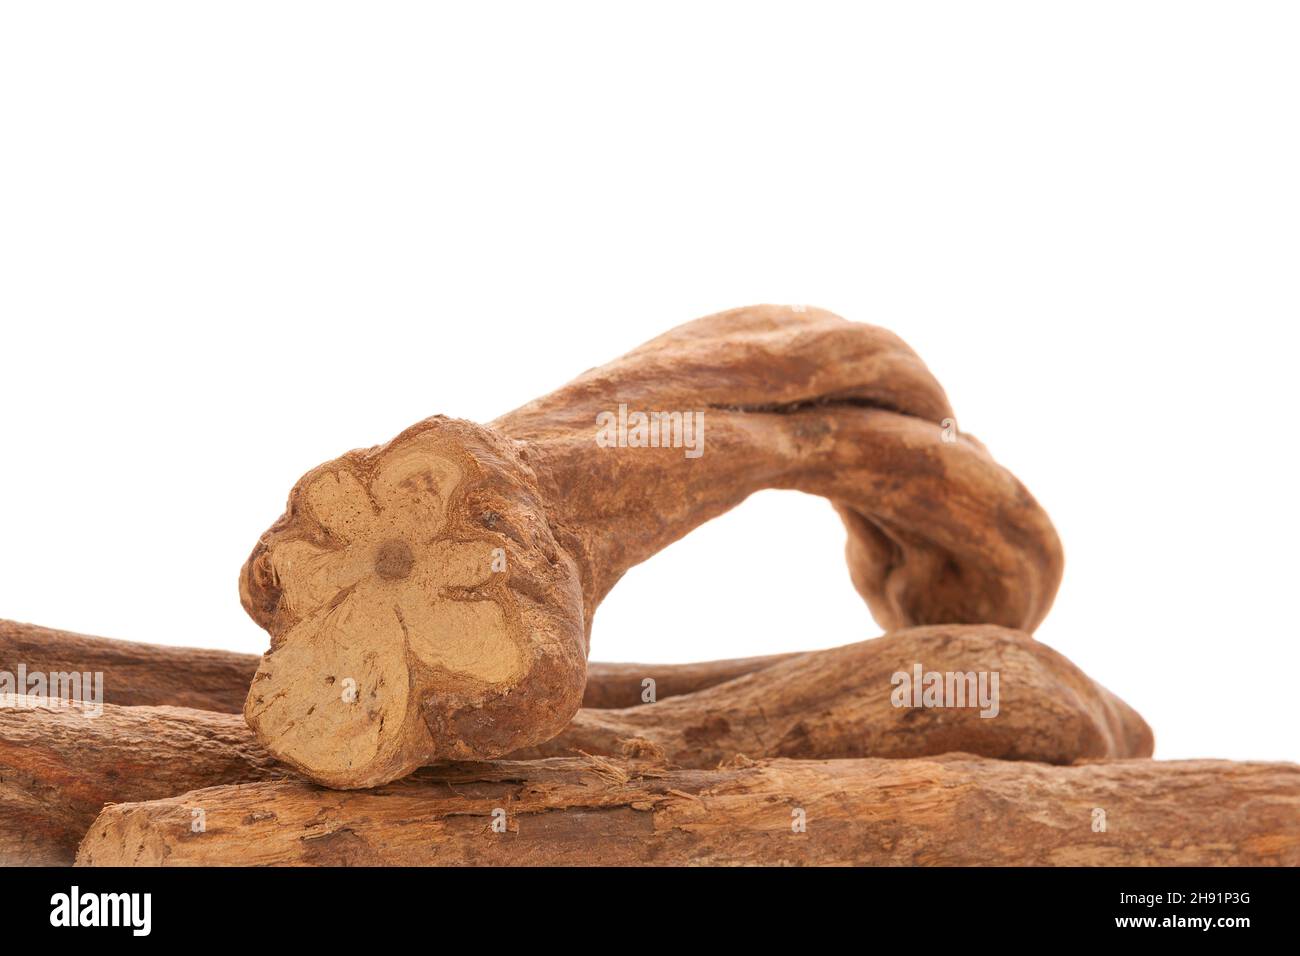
{"x": 432, "y": 598}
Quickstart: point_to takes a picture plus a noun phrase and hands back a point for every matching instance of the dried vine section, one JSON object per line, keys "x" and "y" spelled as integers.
{"x": 59, "y": 769}
{"x": 843, "y": 702}
{"x": 134, "y": 673}
{"x": 954, "y": 810}
{"x": 432, "y": 598}
{"x": 730, "y": 773}
{"x": 160, "y": 675}
{"x": 169, "y": 723}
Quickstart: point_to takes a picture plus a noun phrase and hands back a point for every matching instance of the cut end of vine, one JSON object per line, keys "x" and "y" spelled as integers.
{"x": 394, "y": 611}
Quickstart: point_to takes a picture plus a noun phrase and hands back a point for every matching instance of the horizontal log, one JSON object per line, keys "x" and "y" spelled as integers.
{"x": 134, "y": 673}
{"x": 138, "y": 674}
{"x": 952, "y": 810}
{"x": 59, "y": 766}
{"x": 843, "y": 703}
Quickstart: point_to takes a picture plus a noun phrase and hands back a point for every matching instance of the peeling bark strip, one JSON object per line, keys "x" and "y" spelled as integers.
{"x": 432, "y": 598}
{"x": 839, "y": 703}
{"x": 59, "y": 767}
{"x": 154, "y": 674}
{"x": 955, "y": 810}
{"x": 133, "y": 673}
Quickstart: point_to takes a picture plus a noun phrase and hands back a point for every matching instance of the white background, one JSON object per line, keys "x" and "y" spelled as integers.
{"x": 237, "y": 239}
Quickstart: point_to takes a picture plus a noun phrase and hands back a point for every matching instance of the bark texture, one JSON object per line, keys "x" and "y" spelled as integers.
{"x": 447, "y": 579}
{"x": 154, "y": 674}
{"x": 59, "y": 767}
{"x": 621, "y": 685}
{"x": 134, "y": 673}
{"x": 840, "y": 703}
{"x": 954, "y": 810}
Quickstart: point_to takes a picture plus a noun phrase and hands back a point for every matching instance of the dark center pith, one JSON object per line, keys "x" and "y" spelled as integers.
{"x": 394, "y": 560}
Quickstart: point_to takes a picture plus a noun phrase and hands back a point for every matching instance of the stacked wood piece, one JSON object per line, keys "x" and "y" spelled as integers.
{"x": 427, "y": 698}
{"x": 728, "y": 773}
{"x": 452, "y": 573}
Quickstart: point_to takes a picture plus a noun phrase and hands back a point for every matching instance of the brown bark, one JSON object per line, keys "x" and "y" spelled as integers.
{"x": 59, "y": 767}
{"x": 954, "y": 810}
{"x": 154, "y": 674}
{"x": 839, "y": 703}
{"x": 448, "y": 578}
{"x": 133, "y": 673}
{"x": 611, "y": 686}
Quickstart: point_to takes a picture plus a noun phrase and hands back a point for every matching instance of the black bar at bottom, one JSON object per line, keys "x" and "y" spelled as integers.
{"x": 660, "y": 908}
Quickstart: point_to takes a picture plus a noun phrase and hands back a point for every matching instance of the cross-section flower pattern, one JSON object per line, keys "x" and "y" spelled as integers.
{"x": 391, "y": 571}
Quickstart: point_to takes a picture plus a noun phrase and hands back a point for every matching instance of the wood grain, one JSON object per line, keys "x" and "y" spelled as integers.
{"x": 955, "y": 810}
{"x": 452, "y": 574}
{"x": 134, "y": 673}
{"x": 840, "y": 703}
{"x": 155, "y": 674}
{"x": 59, "y": 767}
